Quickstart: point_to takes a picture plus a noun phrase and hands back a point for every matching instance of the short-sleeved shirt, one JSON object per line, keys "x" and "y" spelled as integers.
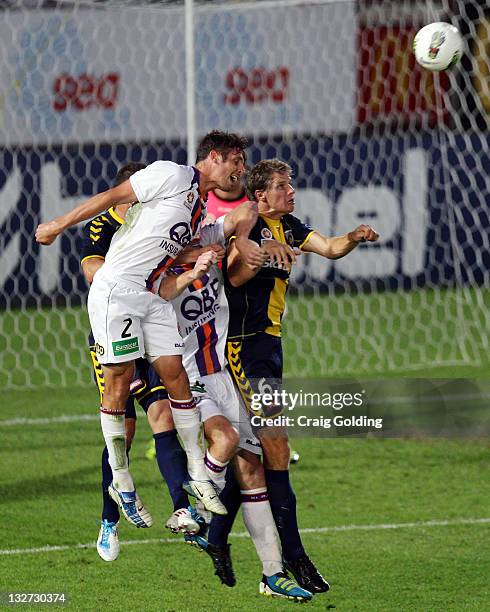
{"x": 258, "y": 305}
{"x": 163, "y": 221}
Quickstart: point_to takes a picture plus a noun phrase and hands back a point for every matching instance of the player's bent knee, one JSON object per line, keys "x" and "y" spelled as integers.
{"x": 117, "y": 379}
{"x": 169, "y": 367}
{"x": 171, "y": 371}
{"x": 118, "y": 376}
{"x": 220, "y": 432}
{"x": 160, "y": 416}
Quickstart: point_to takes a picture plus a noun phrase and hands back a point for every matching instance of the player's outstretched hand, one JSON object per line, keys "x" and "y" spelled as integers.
{"x": 250, "y": 252}
{"x": 204, "y": 263}
{"x": 280, "y": 255}
{"x": 364, "y": 233}
{"x": 47, "y": 232}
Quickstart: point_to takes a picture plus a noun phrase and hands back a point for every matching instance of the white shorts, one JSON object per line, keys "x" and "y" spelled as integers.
{"x": 128, "y": 322}
{"x": 216, "y": 395}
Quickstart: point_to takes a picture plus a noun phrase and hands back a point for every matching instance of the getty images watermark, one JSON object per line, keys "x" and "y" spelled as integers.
{"x": 394, "y": 407}
{"x": 317, "y": 410}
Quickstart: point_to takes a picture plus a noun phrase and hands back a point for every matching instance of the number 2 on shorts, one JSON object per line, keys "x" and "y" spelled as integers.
{"x": 125, "y": 332}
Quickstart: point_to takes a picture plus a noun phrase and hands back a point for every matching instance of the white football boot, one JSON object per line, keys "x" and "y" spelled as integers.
{"x": 108, "y": 541}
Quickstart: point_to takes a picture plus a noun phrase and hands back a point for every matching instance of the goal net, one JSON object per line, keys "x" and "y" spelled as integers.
{"x": 330, "y": 87}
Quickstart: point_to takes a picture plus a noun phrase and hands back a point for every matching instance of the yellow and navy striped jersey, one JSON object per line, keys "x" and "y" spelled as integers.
{"x": 98, "y": 233}
{"x": 258, "y": 305}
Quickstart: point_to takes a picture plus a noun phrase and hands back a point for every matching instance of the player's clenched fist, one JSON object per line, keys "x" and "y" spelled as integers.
{"x": 47, "y": 232}
{"x": 364, "y": 233}
{"x": 204, "y": 263}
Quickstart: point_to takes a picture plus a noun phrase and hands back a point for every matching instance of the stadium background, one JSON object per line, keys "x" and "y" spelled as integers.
{"x": 332, "y": 88}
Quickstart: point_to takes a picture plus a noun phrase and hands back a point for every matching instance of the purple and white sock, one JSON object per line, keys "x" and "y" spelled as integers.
{"x": 216, "y": 470}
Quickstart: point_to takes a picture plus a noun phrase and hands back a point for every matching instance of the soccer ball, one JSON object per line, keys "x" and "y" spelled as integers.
{"x": 438, "y": 46}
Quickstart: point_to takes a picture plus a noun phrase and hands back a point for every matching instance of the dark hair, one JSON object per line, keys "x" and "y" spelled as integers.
{"x": 260, "y": 176}
{"x": 126, "y": 171}
{"x": 223, "y": 142}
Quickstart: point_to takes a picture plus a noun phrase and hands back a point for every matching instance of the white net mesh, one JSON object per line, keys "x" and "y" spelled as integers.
{"x": 330, "y": 87}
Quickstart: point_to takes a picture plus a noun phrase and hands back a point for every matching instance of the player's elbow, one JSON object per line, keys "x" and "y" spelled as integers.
{"x": 236, "y": 277}
{"x": 89, "y": 269}
{"x": 246, "y": 217}
{"x": 89, "y": 277}
{"x": 329, "y": 251}
{"x": 235, "y": 280}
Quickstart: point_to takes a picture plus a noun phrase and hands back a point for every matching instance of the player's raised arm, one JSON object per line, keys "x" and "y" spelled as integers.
{"x": 339, "y": 246}
{"x": 122, "y": 194}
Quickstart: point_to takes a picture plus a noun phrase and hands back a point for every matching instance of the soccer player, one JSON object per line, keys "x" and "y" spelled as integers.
{"x": 198, "y": 296}
{"x": 146, "y": 388}
{"x": 129, "y": 321}
{"x": 256, "y": 296}
{"x": 219, "y": 203}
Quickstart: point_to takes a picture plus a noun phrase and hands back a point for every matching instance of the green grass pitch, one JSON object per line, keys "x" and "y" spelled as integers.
{"x": 438, "y": 333}
{"x": 400, "y": 524}
{"x": 437, "y": 561}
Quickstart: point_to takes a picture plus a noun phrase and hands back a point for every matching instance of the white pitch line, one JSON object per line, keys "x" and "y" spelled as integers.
{"x": 244, "y": 534}
{"x": 63, "y": 418}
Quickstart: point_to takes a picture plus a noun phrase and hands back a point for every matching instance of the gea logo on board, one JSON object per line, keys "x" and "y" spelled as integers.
{"x": 256, "y": 85}
{"x": 85, "y": 91}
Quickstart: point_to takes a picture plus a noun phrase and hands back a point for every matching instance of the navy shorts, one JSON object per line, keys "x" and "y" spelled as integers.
{"x": 256, "y": 365}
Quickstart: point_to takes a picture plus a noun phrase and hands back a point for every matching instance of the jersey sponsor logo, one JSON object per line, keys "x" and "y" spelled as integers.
{"x": 266, "y": 233}
{"x": 124, "y": 347}
{"x": 180, "y": 233}
{"x": 99, "y": 349}
{"x": 194, "y": 306}
{"x": 274, "y": 265}
{"x": 169, "y": 247}
{"x": 179, "y": 345}
{"x": 209, "y": 316}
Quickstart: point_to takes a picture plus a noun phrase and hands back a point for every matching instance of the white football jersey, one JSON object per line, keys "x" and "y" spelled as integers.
{"x": 163, "y": 221}
{"x": 203, "y": 315}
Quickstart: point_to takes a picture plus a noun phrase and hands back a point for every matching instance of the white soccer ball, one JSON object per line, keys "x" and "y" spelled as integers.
{"x": 438, "y": 46}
